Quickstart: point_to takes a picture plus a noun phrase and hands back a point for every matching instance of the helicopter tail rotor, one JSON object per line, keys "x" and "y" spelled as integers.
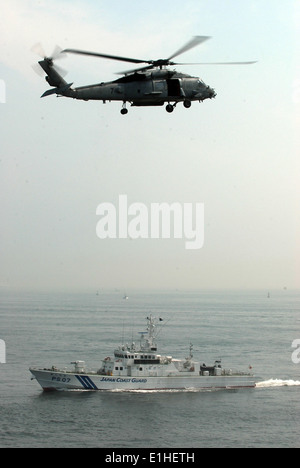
{"x": 54, "y": 74}
{"x": 57, "y": 54}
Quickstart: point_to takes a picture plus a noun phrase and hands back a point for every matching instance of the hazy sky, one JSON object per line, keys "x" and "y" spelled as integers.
{"x": 238, "y": 154}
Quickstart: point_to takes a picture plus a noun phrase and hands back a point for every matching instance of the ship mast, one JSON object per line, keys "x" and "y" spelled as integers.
{"x": 148, "y": 338}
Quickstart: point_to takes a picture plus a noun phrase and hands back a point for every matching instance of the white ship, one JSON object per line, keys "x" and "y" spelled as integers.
{"x": 140, "y": 367}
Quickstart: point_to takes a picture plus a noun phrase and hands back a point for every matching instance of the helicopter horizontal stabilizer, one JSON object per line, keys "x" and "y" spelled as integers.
{"x": 60, "y": 91}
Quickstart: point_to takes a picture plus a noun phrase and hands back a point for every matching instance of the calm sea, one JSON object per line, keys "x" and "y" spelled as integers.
{"x": 243, "y": 328}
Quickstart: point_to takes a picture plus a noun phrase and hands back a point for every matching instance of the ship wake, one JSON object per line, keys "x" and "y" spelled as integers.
{"x": 278, "y": 383}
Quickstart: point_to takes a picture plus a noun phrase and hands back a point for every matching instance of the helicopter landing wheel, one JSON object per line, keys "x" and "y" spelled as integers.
{"x": 169, "y": 108}
{"x": 187, "y": 104}
{"x": 124, "y": 111}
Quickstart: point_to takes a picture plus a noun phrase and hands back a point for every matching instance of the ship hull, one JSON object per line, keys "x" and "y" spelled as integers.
{"x": 51, "y": 380}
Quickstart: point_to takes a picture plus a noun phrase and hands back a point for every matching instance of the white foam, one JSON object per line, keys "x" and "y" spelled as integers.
{"x": 278, "y": 383}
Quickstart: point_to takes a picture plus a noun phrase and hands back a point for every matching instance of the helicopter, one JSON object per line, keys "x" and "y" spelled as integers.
{"x": 153, "y": 84}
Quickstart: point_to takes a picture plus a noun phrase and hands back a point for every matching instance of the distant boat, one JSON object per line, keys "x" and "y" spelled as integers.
{"x": 268, "y": 296}
{"x": 125, "y": 297}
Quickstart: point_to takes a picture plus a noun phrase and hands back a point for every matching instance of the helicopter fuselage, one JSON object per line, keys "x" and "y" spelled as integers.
{"x": 152, "y": 89}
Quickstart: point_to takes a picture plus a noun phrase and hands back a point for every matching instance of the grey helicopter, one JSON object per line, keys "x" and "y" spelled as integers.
{"x": 150, "y": 85}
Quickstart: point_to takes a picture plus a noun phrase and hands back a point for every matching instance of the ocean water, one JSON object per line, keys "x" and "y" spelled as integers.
{"x": 243, "y": 328}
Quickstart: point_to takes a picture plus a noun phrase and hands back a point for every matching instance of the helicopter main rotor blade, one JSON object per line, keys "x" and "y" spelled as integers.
{"x": 149, "y": 67}
{"x": 112, "y": 57}
{"x": 190, "y": 45}
{"x": 160, "y": 63}
{"x": 135, "y": 70}
{"x": 217, "y": 63}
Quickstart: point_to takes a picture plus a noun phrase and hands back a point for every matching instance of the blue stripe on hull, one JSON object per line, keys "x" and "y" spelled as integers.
{"x": 86, "y": 382}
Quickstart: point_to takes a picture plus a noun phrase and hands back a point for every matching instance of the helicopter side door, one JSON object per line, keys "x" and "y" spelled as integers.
{"x": 174, "y": 87}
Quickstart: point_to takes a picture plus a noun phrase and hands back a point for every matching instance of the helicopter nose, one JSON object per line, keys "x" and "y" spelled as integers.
{"x": 211, "y": 92}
